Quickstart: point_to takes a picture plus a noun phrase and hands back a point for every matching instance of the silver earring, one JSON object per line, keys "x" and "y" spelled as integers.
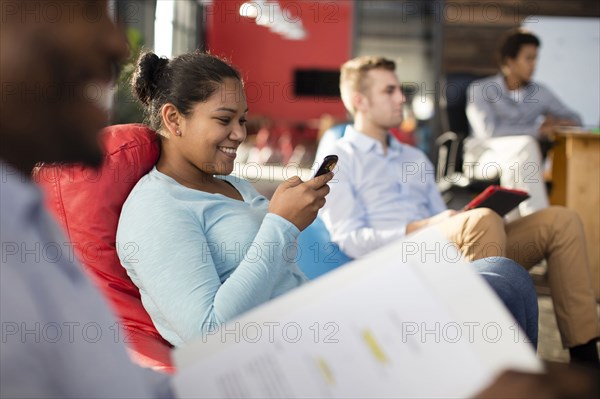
{"x": 178, "y": 132}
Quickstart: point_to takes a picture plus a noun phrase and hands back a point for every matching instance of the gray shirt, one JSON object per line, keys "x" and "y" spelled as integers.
{"x": 494, "y": 110}
{"x": 59, "y": 338}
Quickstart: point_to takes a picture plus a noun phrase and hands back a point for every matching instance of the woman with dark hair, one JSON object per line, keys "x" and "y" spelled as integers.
{"x": 207, "y": 246}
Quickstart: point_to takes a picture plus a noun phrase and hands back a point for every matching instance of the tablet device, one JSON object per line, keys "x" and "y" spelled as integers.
{"x": 499, "y": 199}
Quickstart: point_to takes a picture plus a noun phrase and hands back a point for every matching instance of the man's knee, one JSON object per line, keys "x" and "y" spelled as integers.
{"x": 526, "y": 149}
{"x": 485, "y": 217}
{"x": 486, "y": 228}
{"x": 507, "y": 268}
{"x": 526, "y": 142}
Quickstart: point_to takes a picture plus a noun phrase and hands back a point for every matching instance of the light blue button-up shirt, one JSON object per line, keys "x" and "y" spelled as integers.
{"x": 374, "y": 196}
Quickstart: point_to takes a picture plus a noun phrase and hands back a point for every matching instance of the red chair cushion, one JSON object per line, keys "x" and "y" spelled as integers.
{"x": 87, "y": 202}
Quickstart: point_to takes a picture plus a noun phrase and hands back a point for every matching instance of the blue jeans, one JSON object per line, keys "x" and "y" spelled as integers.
{"x": 514, "y": 286}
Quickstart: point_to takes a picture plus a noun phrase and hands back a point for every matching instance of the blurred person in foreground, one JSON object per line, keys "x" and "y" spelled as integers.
{"x": 48, "y": 67}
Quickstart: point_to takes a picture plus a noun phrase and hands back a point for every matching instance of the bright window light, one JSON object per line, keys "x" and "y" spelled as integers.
{"x": 163, "y": 28}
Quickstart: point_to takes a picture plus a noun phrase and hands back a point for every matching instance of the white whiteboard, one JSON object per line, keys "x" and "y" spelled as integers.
{"x": 569, "y": 61}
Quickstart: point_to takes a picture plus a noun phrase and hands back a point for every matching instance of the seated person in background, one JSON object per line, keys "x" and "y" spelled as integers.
{"x": 208, "y": 246}
{"x": 508, "y": 113}
{"x": 384, "y": 190}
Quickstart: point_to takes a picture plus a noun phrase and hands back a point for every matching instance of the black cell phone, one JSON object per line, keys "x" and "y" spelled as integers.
{"x": 328, "y": 164}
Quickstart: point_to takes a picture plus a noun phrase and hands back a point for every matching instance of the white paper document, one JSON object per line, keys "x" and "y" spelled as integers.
{"x": 410, "y": 320}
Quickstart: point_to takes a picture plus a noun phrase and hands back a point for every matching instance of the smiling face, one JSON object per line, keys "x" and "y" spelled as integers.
{"x": 55, "y": 73}
{"x": 383, "y": 101}
{"x": 213, "y": 130}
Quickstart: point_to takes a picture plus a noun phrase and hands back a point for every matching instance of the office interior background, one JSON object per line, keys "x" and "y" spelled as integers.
{"x": 290, "y": 51}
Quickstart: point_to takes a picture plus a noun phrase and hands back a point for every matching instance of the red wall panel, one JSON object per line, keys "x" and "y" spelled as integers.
{"x": 267, "y": 60}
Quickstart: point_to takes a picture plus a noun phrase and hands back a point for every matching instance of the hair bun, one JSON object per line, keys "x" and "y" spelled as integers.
{"x": 147, "y": 75}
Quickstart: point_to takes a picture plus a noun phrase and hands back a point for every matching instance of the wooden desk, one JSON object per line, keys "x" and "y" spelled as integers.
{"x": 576, "y": 185}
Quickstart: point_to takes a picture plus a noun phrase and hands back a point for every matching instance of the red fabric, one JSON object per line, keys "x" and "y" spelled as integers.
{"x": 87, "y": 203}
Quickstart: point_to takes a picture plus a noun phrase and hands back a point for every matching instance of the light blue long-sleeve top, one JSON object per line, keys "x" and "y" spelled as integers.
{"x": 374, "y": 196}
{"x": 199, "y": 259}
{"x": 494, "y": 111}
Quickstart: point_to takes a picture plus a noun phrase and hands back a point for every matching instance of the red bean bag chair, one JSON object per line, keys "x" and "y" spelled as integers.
{"x": 87, "y": 203}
